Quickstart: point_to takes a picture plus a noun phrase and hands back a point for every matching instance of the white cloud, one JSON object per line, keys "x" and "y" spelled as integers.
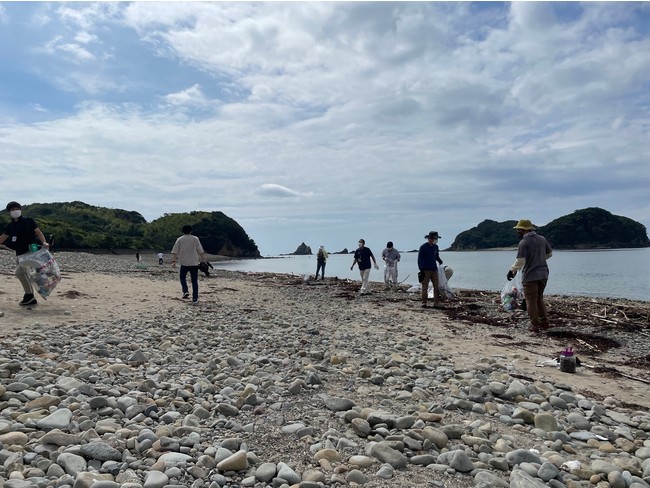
{"x": 190, "y": 96}
{"x": 372, "y": 116}
{"x": 273, "y": 190}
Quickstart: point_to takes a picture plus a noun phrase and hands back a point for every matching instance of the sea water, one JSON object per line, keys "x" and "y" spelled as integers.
{"x": 621, "y": 273}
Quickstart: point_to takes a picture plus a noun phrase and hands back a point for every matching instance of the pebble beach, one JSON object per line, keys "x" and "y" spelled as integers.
{"x": 274, "y": 381}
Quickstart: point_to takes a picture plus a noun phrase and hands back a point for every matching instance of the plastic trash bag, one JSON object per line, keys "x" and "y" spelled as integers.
{"x": 512, "y": 294}
{"x": 42, "y": 270}
{"x": 443, "y": 283}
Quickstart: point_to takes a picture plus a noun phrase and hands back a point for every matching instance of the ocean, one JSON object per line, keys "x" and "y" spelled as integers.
{"x": 618, "y": 273}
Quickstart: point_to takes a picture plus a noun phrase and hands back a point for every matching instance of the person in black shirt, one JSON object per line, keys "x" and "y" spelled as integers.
{"x": 362, "y": 257}
{"x": 18, "y": 235}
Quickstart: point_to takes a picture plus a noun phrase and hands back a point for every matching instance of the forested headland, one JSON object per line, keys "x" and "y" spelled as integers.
{"x": 79, "y": 226}
{"x": 588, "y": 228}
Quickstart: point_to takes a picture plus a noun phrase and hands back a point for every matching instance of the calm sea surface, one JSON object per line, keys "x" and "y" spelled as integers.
{"x": 621, "y": 273}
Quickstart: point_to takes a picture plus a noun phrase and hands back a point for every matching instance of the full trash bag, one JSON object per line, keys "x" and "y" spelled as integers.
{"x": 512, "y": 294}
{"x": 42, "y": 269}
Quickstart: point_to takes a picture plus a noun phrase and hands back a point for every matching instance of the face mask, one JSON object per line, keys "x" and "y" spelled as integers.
{"x": 15, "y": 214}
{"x": 435, "y": 241}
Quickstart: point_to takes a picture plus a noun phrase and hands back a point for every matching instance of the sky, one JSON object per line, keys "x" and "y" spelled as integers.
{"x": 328, "y": 122}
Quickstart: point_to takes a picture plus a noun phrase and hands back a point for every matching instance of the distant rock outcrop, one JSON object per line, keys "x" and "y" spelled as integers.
{"x": 303, "y": 250}
{"x": 344, "y": 251}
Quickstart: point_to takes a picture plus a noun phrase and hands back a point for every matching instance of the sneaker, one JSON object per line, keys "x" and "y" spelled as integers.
{"x": 186, "y": 296}
{"x": 28, "y": 300}
{"x": 424, "y": 305}
{"x": 195, "y": 302}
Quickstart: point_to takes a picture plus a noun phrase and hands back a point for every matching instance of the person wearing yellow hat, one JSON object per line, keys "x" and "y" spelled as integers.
{"x": 532, "y": 253}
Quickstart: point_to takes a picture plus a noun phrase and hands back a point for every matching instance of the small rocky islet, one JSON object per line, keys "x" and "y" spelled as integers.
{"x": 291, "y": 387}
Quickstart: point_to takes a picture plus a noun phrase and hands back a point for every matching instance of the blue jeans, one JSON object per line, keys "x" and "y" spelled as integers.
{"x": 320, "y": 265}
{"x": 194, "y": 275}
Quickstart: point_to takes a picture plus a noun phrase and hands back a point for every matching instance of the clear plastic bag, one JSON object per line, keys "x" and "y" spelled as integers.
{"x": 42, "y": 269}
{"x": 443, "y": 283}
{"x": 512, "y": 294}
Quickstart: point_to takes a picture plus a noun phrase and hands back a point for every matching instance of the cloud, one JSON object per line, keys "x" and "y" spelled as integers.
{"x": 375, "y": 117}
{"x": 273, "y": 190}
{"x": 190, "y": 96}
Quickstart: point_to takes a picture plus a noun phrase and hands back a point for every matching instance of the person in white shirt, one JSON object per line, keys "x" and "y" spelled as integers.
{"x": 391, "y": 257}
{"x": 189, "y": 252}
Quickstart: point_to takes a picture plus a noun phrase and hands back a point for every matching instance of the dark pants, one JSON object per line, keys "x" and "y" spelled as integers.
{"x": 432, "y": 276}
{"x": 319, "y": 266}
{"x": 194, "y": 275}
{"x": 534, "y": 293}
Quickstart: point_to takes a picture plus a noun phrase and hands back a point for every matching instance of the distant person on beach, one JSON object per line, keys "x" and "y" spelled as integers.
{"x": 17, "y": 236}
{"x": 321, "y": 260}
{"x": 428, "y": 260}
{"x": 391, "y": 257}
{"x": 189, "y": 252}
{"x": 137, "y": 255}
{"x": 160, "y": 258}
{"x": 532, "y": 253}
{"x": 362, "y": 257}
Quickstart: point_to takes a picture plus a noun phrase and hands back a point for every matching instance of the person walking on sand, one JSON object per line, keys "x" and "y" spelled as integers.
{"x": 160, "y": 258}
{"x": 321, "y": 260}
{"x": 18, "y": 235}
{"x": 189, "y": 252}
{"x": 362, "y": 257}
{"x": 532, "y": 252}
{"x": 391, "y": 257}
{"x": 428, "y": 260}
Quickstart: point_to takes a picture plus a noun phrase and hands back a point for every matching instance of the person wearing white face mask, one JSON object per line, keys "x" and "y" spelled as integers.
{"x": 362, "y": 257}
{"x": 428, "y": 261}
{"x": 18, "y": 235}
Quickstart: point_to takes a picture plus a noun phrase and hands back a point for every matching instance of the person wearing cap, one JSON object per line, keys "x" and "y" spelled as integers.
{"x": 428, "y": 260}
{"x": 18, "y": 235}
{"x": 362, "y": 257}
{"x": 321, "y": 260}
{"x": 391, "y": 257}
{"x": 532, "y": 253}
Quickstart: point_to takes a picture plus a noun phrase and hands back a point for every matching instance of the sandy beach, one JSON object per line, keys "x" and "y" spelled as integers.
{"x": 124, "y": 289}
{"x": 319, "y": 341}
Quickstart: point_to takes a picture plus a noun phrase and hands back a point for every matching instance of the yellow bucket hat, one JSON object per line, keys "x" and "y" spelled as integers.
{"x": 524, "y": 224}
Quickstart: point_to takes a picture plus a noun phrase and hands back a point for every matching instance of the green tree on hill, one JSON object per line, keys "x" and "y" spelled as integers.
{"x": 77, "y": 225}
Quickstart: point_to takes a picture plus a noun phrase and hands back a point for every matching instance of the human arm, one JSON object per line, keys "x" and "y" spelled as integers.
{"x": 174, "y": 258}
{"x": 3, "y": 238}
{"x": 41, "y": 237}
{"x": 516, "y": 266}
